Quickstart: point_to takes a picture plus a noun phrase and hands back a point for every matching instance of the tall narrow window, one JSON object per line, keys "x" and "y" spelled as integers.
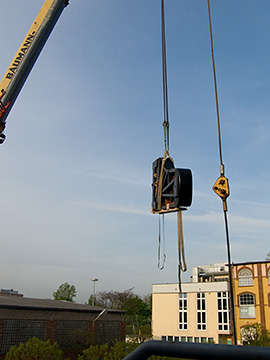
{"x": 269, "y": 276}
{"x": 223, "y": 311}
{"x": 247, "y": 306}
{"x": 183, "y": 311}
{"x": 245, "y": 277}
{"x": 201, "y": 311}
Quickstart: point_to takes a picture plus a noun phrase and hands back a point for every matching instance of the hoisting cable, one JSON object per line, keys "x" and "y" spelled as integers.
{"x": 166, "y": 123}
{"x": 181, "y": 251}
{"x": 221, "y": 186}
{"x": 161, "y": 229}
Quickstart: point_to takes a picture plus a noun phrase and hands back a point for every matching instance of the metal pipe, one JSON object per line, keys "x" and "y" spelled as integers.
{"x": 198, "y": 351}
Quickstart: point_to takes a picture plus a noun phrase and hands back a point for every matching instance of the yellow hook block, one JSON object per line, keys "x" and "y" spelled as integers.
{"x": 221, "y": 187}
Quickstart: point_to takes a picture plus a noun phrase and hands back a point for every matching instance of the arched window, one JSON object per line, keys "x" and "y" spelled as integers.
{"x": 245, "y": 277}
{"x": 247, "y": 306}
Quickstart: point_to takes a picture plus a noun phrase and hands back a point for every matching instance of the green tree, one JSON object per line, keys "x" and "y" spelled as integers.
{"x": 65, "y": 292}
{"x": 79, "y": 340}
{"x": 35, "y": 349}
{"x": 138, "y": 310}
{"x": 112, "y": 299}
{"x": 255, "y": 335}
{"x": 116, "y": 352}
{"x": 95, "y": 352}
{"x": 120, "y": 350}
{"x": 138, "y": 318}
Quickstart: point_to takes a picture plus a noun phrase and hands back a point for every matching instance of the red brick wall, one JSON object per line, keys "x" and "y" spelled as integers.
{"x": 122, "y": 331}
{"x": 50, "y": 331}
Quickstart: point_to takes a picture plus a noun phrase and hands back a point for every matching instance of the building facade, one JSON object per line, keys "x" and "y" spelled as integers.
{"x": 251, "y": 294}
{"x": 24, "y": 318}
{"x": 201, "y": 313}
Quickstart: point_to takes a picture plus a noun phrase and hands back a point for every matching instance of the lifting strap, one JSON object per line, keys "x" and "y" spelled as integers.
{"x": 182, "y": 266}
{"x": 165, "y": 156}
{"x": 161, "y": 242}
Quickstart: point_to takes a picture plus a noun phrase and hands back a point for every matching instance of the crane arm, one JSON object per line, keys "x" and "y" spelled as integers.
{"x": 26, "y": 56}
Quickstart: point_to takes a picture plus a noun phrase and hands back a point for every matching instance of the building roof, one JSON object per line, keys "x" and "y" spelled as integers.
{"x": 250, "y": 262}
{"x": 211, "y": 286}
{"x": 17, "y": 302}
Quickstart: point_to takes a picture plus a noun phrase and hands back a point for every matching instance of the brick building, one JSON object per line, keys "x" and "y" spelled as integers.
{"x": 23, "y": 318}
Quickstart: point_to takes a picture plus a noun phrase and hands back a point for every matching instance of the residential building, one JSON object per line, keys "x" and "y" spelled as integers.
{"x": 9, "y": 292}
{"x": 201, "y": 313}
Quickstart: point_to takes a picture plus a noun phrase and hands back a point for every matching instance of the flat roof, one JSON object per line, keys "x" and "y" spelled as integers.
{"x": 19, "y": 302}
{"x": 194, "y": 287}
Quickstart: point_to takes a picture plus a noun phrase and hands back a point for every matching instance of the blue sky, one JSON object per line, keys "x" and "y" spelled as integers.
{"x": 82, "y": 136}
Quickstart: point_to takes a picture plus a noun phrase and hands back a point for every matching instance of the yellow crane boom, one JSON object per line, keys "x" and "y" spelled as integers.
{"x": 26, "y": 56}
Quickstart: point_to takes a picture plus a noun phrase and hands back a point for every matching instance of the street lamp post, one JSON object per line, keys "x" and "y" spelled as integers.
{"x": 94, "y": 288}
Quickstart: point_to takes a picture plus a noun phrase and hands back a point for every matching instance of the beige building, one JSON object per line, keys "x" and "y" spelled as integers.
{"x": 199, "y": 314}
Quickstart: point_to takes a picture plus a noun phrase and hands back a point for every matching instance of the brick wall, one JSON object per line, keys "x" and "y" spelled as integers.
{"x": 12, "y": 332}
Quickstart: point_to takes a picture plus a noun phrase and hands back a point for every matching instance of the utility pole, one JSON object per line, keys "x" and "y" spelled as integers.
{"x": 94, "y": 290}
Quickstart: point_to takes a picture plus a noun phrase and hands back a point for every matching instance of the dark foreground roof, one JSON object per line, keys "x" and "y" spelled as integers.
{"x": 17, "y": 302}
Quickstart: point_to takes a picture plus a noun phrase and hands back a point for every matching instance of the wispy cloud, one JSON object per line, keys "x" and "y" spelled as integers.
{"x": 114, "y": 208}
{"x": 250, "y": 203}
{"x": 126, "y": 180}
{"x": 248, "y": 223}
{"x": 211, "y": 217}
{"x": 242, "y": 222}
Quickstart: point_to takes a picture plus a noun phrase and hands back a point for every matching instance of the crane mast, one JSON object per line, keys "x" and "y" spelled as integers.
{"x": 26, "y": 56}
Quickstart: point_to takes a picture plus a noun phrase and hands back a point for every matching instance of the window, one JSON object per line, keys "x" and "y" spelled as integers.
{"x": 223, "y": 311}
{"x": 247, "y": 306}
{"x": 163, "y": 338}
{"x": 189, "y": 339}
{"x": 269, "y": 276}
{"x": 245, "y": 277}
{"x": 201, "y": 311}
{"x": 183, "y": 339}
{"x": 170, "y": 338}
{"x": 176, "y": 338}
{"x": 183, "y": 311}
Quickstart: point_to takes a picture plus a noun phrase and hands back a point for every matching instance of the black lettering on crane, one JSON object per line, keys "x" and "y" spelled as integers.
{"x": 29, "y": 40}
{"x": 20, "y": 56}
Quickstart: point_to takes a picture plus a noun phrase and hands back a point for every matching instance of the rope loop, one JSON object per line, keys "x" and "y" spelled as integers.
{"x": 161, "y": 243}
